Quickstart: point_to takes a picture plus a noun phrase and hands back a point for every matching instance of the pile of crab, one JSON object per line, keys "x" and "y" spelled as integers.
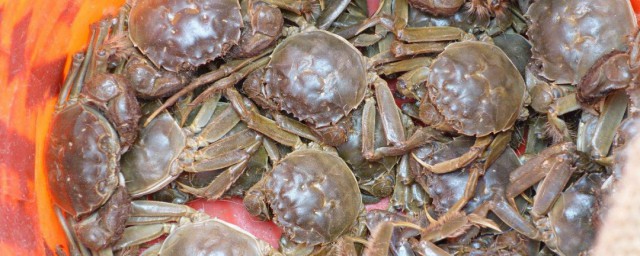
{"x": 493, "y": 127}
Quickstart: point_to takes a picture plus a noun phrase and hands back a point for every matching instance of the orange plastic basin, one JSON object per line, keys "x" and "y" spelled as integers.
{"x": 36, "y": 39}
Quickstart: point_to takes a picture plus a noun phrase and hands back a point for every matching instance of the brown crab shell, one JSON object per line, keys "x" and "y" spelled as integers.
{"x": 153, "y": 160}
{"x": 212, "y": 237}
{"x": 569, "y": 36}
{"x": 180, "y": 34}
{"x": 314, "y": 196}
{"x": 316, "y": 76}
{"x": 82, "y": 159}
{"x": 437, "y": 7}
{"x": 476, "y": 88}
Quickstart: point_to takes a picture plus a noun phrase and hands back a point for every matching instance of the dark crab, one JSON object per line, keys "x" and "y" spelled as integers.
{"x": 312, "y": 194}
{"x": 471, "y": 88}
{"x": 211, "y": 237}
{"x": 587, "y": 34}
{"x": 569, "y": 228}
{"x": 165, "y": 149}
{"x": 90, "y": 130}
{"x": 321, "y": 90}
{"x": 179, "y": 36}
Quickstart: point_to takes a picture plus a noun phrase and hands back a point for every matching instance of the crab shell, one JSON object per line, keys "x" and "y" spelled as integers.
{"x": 212, "y": 237}
{"x": 314, "y": 196}
{"x": 153, "y": 160}
{"x": 476, "y": 88}
{"x": 316, "y": 76}
{"x": 82, "y": 159}
{"x": 571, "y": 225}
{"x": 181, "y": 34}
{"x": 569, "y": 36}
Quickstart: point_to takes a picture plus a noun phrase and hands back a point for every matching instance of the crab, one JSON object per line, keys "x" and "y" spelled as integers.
{"x": 94, "y": 124}
{"x": 448, "y": 189}
{"x": 211, "y": 237}
{"x": 92, "y": 127}
{"x": 376, "y": 178}
{"x": 165, "y": 149}
{"x": 472, "y": 89}
{"x": 312, "y": 194}
{"x": 437, "y": 7}
{"x": 569, "y": 228}
{"x": 571, "y": 58}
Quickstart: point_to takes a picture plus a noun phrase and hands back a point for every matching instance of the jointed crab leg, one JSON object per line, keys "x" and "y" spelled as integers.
{"x": 331, "y": 13}
{"x": 212, "y": 76}
{"x": 224, "y": 180}
{"x": 80, "y": 76}
{"x": 69, "y": 80}
{"x": 403, "y": 49}
{"x": 224, "y": 122}
{"x": 294, "y": 126}
{"x": 231, "y": 80}
{"x": 453, "y": 164}
{"x": 404, "y": 65}
{"x": 258, "y": 122}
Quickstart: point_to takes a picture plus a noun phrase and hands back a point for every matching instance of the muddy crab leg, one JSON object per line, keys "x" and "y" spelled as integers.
{"x": 400, "y": 49}
{"x": 140, "y": 234}
{"x": 331, "y": 13}
{"x": 80, "y": 78}
{"x": 231, "y": 80}
{"x": 450, "y": 165}
{"x": 68, "y": 82}
{"x": 210, "y": 77}
{"x": 224, "y": 180}
{"x": 258, "y": 122}
{"x": 294, "y": 126}
{"x": 405, "y": 65}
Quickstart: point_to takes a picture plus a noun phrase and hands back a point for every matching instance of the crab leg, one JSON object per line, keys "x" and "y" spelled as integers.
{"x": 400, "y": 49}
{"x": 224, "y": 180}
{"x": 210, "y": 77}
{"x": 560, "y": 107}
{"x": 612, "y": 113}
{"x": 294, "y": 126}
{"x": 408, "y": 81}
{"x": 231, "y": 80}
{"x": 404, "y": 65}
{"x": 426, "y": 34}
{"x": 68, "y": 82}
{"x": 72, "y": 241}
{"x": 219, "y": 126}
{"x": 552, "y": 185}
{"x": 453, "y": 164}
{"x": 512, "y": 217}
{"x": 258, "y": 122}
{"x": 80, "y": 76}
{"x": 242, "y": 139}
{"x": 331, "y": 13}
{"x": 426, "y": 248}
{"x": 204, "y": 115}
{"x": 136, "y": 235}
{"x": 537, "y": 168}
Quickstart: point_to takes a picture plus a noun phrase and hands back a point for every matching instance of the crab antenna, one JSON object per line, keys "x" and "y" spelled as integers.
{"x": 71, "y": 76}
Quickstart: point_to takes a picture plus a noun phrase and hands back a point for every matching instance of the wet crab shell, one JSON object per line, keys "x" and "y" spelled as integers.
{"x": 180, "y": 34}
{"x": 153, "y": 160}
{"x": 316, "y": 76}
{"x": 82, "y": 159}
{"x": 212, "y": 237}
{"x": 476, "y": 88}
{"x": 569, "y": 36}
{"x": 314, "y": 196}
